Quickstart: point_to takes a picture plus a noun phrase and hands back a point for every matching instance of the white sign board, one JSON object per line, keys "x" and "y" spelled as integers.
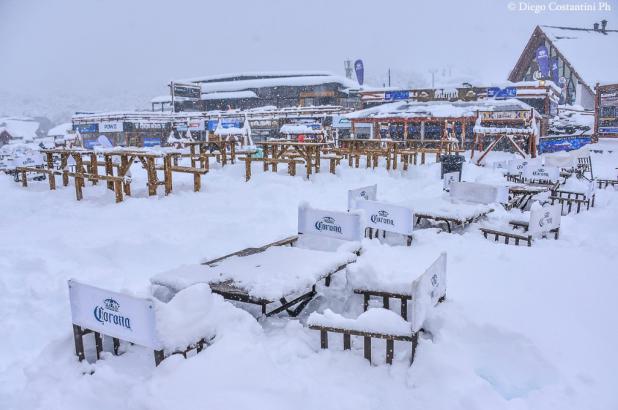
{"x": 449, "y": 178}
{"x": 427, "y": 291}
{"x": 479, "y": 193}
{"x": 114, "y": 314}
{"x": 544, "y": 219}
{"x": 516, "y": 166}
{"x": 387, "y": 217}
{"x": 539, "y": 172}
{"x": 111, "y": 126}
{"x": 368, "y": 193}
{"x": 30, "y": 160}
{"x": 340, "y": 225}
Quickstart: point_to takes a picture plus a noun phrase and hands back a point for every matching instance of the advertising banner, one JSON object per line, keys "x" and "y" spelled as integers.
{"x": 427, "y": 291}
{"x": 387, "y": 217}
{"x": 114, "y": 314}
{"x": 339, "y": 225}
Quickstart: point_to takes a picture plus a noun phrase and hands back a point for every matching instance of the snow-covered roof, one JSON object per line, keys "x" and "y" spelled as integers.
{"x": 229, "y": 95}
{"x": 168, "y": 99}
{"x": 60, "y": 130}
{"x": 408, "y": 109}
{"x": 299, "y": 129}
{"x": 592, "y": 53}
{"x": 21, "y": 127}
{"x": 295, "y": 81}
{"x": 254, "y": 74}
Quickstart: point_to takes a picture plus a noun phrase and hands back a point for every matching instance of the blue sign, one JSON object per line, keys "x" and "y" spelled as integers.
{"x": 225, "y": 123}
{"x": 542, "y": 59}
{"x": 152, "y": 141}
{"x": 360, "y": 71}
{"x": 82, "y": 128}
{"x": 608, "y": 130}
{"x": 396, "y": 95}
{"x": 89, "y": 144}
{"x": 562, "y": 144}
{"x": 497, "y": 92}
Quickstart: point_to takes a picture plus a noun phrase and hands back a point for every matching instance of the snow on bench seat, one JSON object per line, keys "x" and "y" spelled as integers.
{"x": 375, "y": 321}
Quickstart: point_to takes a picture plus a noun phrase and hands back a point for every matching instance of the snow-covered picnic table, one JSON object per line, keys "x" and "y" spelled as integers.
{"x": 284, "y": 274}
{"x": 441, "y": 209}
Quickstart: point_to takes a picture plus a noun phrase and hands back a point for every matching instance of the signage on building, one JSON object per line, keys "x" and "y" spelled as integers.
{"x": 152, "y": 141}
{"x": 497, "y": 92}
{"x": 396, "y": 95}
{"x": 506, "y": 115}
{"x": 150, "y": 125}
{"x": 225, "y": 123}
{"x": 193, "y": 91}
{"x": 82, "y": 128}
{"x": 542, "y": 59}
{"x": 111, "y": 126}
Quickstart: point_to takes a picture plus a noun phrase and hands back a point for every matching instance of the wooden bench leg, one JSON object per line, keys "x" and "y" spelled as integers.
{"x": 52, "y": 181}
{"x": 346, "y": 342}
{"x": 197, "y": 182}
{"x": 24, "y": 179}
{"x": 247, "y": 169}
{"x": 365, "y": 301}
{"x": 367, "y": 347}
{"x": 333, "y": 164}
{"x": 292, "y": 168}
{"x": 404, "y": 308}
{"x": 79, "y": 343}
{"x": 390, "y": 348}
{"x": 323, "y": 339}
{"x": 78, "y": 189}
{"x": 118, "y": 190}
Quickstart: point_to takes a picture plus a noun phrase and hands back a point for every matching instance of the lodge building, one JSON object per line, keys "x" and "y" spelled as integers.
{"x": 251, "y": 90}
{"x": 574, "y": 58}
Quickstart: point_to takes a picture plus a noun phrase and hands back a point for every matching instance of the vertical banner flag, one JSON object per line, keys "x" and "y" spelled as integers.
{"x": 360, "y": 71}
{"x": 542, "y": 59}
{"x": 555, "y": 73}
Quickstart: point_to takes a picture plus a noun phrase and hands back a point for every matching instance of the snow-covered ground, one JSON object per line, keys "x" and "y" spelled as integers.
{"x": 522, "y": 328}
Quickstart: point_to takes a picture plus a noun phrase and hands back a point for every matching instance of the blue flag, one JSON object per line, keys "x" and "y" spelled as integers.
{"x": 542, "y": 59}
{"x": 360, "y": 71}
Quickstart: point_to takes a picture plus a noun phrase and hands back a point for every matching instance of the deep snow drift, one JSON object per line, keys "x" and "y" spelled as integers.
{"x": 521, "y": 328}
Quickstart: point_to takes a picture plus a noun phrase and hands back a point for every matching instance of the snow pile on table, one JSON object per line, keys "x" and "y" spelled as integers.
{"x": 195, "y": 313}
{"x": 389, "y": 268}
{"x": 373, "y": 320}
{"x": 278, "y": 271}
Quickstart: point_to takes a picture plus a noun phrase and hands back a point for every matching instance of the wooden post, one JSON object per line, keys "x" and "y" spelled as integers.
{"x": 24, "y": 179}
{"x": 118, "y": 190}
{"x": 109, "y": 170}
{"x": 152, "y": 176}
{"x": 404, "y": 308}
{"x": 94, "y": 168}
{"x": 333, "y": 164}
{"x": 79, "y": 179}
{"x": 167, "y": 175}
{"x": 52, "y": 180}
{"x": 292, "y": 167}
{"x": 98, "y": 342}
{"x": 197, "y": 182}
{"x": 64, "y": 160}
{"x": 159, "y": 355}
{"x": 124, "y": 165}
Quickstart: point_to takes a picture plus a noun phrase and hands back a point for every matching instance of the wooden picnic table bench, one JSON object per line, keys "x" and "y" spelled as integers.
{"x": 507, "y": 236}
{"x": 273, "y": 162}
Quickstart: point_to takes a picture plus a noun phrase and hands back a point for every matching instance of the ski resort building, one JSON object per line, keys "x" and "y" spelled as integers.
{"x": 574, "y": 58}
{"x": 251, "y": 90}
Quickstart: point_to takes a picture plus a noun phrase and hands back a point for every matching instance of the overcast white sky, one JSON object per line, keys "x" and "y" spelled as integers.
{"x": 89, "y": 48}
